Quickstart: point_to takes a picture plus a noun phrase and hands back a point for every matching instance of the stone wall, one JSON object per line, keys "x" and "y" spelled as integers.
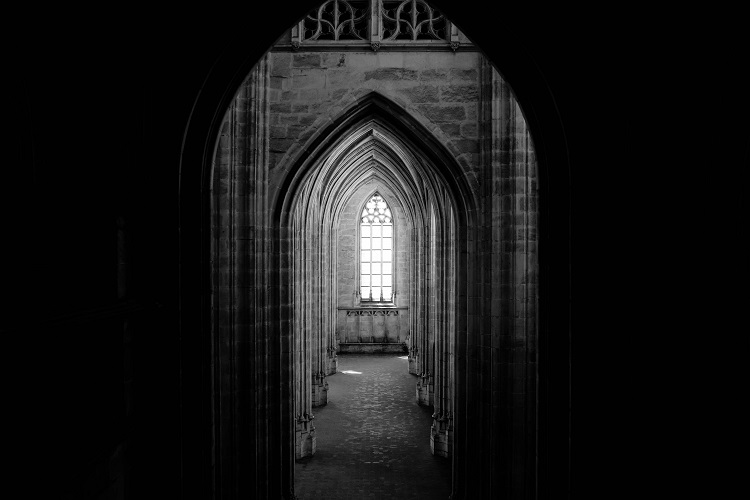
{"x": 463, "y": 164}
{"x": 309, "y": 89}
{"x": 351, "y": 325}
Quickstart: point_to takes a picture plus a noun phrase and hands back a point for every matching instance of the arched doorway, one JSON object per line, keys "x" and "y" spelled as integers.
{"x": 369, "y": 146}
{"x": 258, "y": 259}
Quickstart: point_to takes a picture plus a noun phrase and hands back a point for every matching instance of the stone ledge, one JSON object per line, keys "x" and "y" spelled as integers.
{"x": 364, "y": 46}
{"x": 372, "y": 347}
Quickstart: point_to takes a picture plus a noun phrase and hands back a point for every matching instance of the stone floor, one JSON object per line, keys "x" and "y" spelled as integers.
{"x": 373, "y": 439}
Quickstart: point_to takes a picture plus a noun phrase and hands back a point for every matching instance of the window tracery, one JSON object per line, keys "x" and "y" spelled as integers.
{"x": 377, "y": 22}
{"x": 376, "y": 251}
{"x": 412, "y": 20}
{"x": 337, "y": 20}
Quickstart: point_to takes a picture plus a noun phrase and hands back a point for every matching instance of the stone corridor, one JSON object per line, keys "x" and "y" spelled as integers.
{"x": 373, "y": 439}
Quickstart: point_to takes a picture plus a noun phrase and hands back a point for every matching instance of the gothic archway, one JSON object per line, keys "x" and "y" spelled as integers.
{"x": 376, "y": 138}
{"x": 269, "y": 409}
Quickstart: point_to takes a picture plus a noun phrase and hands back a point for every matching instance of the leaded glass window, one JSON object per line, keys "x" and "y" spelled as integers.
{"x": 376, "y": 251}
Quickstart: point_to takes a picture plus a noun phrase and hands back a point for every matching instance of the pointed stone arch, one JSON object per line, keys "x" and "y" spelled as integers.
{"x": 268, "y": 410}
{"x": 390, "y": 116}
{"x": 377, "y": 135}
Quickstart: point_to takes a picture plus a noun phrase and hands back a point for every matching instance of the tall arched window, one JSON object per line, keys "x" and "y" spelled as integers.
{"x": 376, "y": 251}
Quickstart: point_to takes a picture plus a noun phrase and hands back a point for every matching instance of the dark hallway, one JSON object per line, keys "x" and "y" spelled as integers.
{"x": 372, "y": 437}
{"x": 111, "y": 121}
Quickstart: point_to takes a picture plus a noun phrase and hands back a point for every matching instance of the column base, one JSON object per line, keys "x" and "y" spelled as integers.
{"x": 304, "y": 440}
{"x": 413, "y": 362}
{"x": 425, "y": 390}
{"x": 333, "y": 362}
{"x": 441, "y": 436}
{"x": 319, "y": 390}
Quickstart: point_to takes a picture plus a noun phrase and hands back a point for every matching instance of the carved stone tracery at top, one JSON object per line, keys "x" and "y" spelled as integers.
{"x": 379, "y": 22}
{"x": 337, "y": 20}
{"x": 413, "y": 20}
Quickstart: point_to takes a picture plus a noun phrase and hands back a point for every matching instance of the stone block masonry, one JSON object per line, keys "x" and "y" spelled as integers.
{"x": 440, "y": 89}
{"x": 448, "y": 147}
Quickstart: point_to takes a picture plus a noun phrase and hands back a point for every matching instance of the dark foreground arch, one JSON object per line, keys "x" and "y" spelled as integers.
{"x": 195, "y": 348}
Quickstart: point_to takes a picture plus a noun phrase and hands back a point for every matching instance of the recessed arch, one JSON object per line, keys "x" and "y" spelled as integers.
{"x": 377, "y": 108}
{"x": 355, "y": 137}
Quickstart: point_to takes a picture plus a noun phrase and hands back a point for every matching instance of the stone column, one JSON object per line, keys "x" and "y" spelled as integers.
{"x": 515, "y": 167}
{"x": 413, "y": 336}
{"x": 425, "y": 384}
{"x": 318, "y": 301}
{"x": 330, "y": 327}
{"x": 302, "y": 285}
{"x": 441, "y": 434}
{"x": 240, "y": 257}
{"x": 501, "y": 351}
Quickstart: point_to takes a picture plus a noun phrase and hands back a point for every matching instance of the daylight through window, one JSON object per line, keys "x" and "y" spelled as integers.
{"x": 376, "y": 251}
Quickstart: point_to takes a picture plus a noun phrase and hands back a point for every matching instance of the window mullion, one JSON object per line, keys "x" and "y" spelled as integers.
{"x": 382, "y": 261}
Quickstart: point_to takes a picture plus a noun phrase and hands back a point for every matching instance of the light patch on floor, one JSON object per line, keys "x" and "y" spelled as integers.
{"x": 352, "y": 371}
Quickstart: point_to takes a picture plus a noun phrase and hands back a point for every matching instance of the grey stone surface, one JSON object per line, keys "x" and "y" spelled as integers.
{"x": 372, "y": 437}
{"x": 486, "y": 304}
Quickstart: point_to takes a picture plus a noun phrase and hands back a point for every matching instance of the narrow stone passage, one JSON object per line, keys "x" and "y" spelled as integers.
{"x": 373, "y": 439}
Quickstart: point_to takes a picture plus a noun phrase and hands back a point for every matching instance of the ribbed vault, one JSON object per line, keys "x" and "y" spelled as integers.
{"x": 373, "y": 153}
{"x": 376, "y": 128}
